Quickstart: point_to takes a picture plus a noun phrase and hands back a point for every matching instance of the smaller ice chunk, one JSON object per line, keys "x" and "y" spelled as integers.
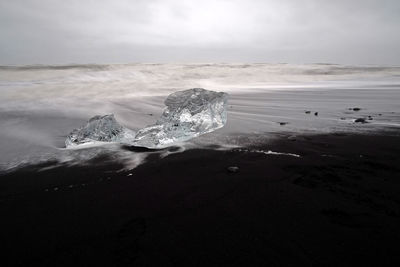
{"x": 188, "y": 114}
{"x": 100, "y": 129}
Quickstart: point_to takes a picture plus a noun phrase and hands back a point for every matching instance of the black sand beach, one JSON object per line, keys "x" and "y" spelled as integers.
{"x": 335, "y": 205}
{"x": 200, "y": 133}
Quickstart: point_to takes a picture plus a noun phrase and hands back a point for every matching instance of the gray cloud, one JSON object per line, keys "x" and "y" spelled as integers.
{"x": 56, "y": 32}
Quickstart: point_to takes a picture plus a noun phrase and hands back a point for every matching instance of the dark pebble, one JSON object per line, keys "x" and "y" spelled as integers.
{"x": 361, "y": 120}
{"x": 233, "y": 169}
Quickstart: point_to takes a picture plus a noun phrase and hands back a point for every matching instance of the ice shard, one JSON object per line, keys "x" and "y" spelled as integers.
{"x": 100, "y": 129}
{"x": 188, "y": 114}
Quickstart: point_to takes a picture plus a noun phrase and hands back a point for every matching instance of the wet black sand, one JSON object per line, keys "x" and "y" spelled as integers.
{"x": 336, "y": 205}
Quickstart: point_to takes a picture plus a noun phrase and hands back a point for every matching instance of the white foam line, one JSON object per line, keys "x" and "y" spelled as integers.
{"x": 270, "y": 152}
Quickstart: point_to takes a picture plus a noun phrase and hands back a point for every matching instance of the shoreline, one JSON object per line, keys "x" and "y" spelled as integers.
{"x": 336, "y": 204}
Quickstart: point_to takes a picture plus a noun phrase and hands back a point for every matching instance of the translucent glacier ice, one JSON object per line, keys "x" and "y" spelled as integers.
{"x": 100, "y": 129}
{"x": 188, "y": 114}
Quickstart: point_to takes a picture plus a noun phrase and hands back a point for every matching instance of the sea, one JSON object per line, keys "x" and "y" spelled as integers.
{"x": 41, "y": 104}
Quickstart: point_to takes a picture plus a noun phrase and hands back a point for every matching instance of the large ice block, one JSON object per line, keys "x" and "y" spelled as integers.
{"x": 188, "y": 114}
{"x": 100, "y": 129}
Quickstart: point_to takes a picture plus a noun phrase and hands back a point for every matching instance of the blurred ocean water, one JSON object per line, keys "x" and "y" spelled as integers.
{"x": 40, "y": 105}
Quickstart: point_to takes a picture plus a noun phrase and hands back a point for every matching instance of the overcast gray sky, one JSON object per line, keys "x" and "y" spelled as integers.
{"x": 123, "y": 31}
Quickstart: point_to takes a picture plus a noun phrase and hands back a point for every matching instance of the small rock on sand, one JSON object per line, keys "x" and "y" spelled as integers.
{"x": 233, "y": 169}
{"x": 360, "y": 120}
{"x": 316, "y": 113}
